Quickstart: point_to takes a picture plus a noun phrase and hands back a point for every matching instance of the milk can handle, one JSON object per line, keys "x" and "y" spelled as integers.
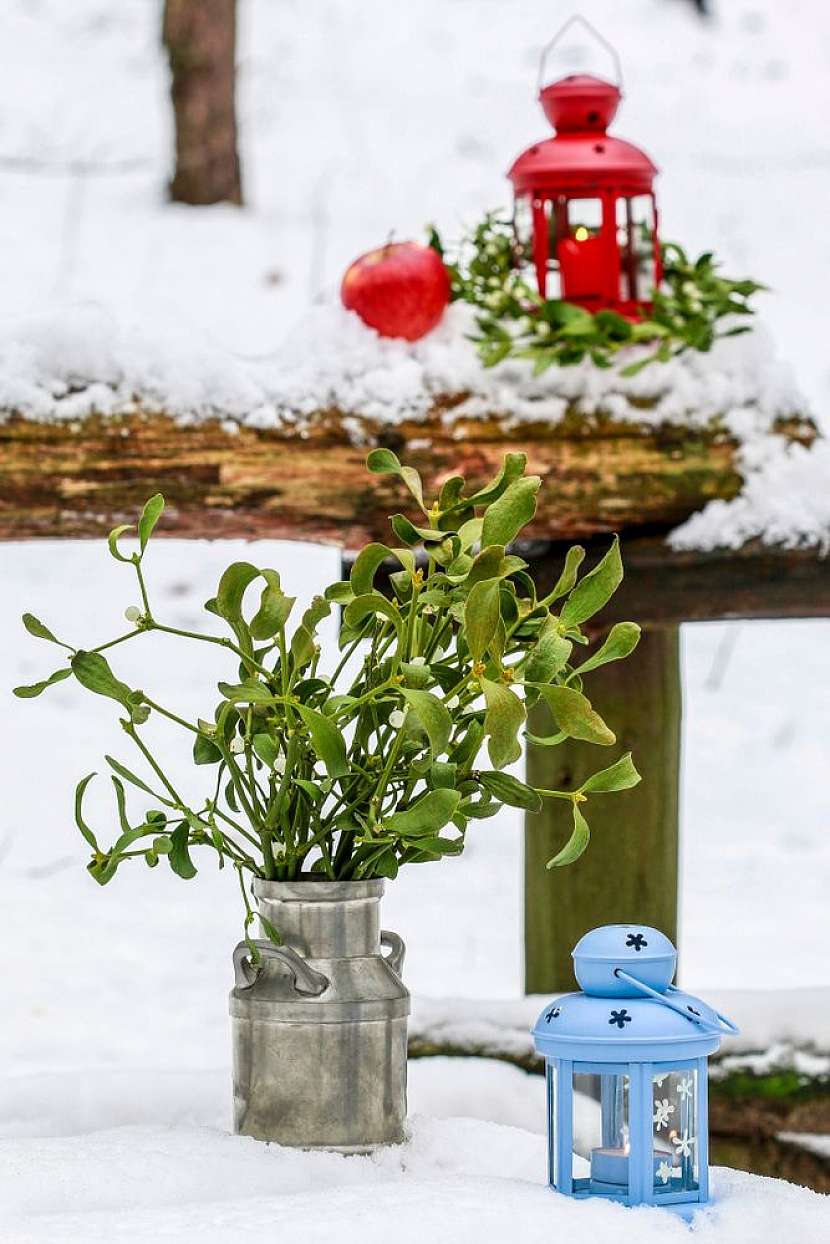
{"x": 578, "y": 20}
{"x": 396, "y": 952}
{"x": 306, "y": 979}
{"x": 723, "y": 1025}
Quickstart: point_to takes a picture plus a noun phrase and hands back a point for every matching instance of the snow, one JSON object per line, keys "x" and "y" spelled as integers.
{"x": 51, "y": 369}
{"x": 454, "y": 1179}
{"x": 808, "y": 1141}
{"x": 785, "y": 500}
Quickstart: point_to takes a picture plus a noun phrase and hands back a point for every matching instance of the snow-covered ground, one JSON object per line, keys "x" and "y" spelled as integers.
{"x": 456, "y": 1180}
{"x": 357, "y": 118}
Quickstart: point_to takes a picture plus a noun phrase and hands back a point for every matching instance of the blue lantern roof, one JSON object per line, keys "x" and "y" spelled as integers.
{"x": 629, "y": 1010}
{"x": 593, "y": 1029}
{"x": 645, "y": 952}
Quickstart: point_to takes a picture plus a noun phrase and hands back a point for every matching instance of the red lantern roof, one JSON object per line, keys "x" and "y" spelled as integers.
{"x": 581, "y": 156}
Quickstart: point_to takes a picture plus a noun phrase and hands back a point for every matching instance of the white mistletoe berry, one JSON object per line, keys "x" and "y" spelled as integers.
{"x": 418, "y": 661}
{"x": 132, "y": 613}
{"x": 237, "y": 746}
{"x": 279, "y": 765}
{"x": 397, "y": 718}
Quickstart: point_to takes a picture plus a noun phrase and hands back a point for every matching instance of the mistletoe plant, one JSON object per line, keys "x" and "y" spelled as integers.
{"x": 515, "y": 322}
{"x": 351, "y": 772}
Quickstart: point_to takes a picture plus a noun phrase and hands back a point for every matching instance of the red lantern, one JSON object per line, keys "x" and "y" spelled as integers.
{"x": 585, "y": 200}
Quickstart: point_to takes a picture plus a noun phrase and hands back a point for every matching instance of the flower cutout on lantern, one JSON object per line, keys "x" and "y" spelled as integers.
{"x": 664, "y": 1171}
{"x": 663, "y": 1110}
{"x": 636, "y": 941}
{"x": 684, "y": 1145}
{"x": 660, "y": 1080}
{"x": 553, "y": 1013}
{"x": 685, "y": 1088}
{"x": 620, "y": 1018}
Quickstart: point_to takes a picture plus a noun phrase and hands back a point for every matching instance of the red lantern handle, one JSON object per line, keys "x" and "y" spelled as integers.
{"x": 578, "y": 20}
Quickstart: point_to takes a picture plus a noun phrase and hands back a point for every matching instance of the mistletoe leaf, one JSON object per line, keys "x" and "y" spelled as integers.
{"x": 93, "y": 672}
{"x": 573, "y": 714}
{"x": 112, "y": 541}
{"x": 79, "y": 820}
{"x": 508, "y": 789}
{"x": 503, "y": 720}
{"x": 326, "y": 740}
{"x": 274, "y": 608}
{"x": 505, "y": 518}
{"x": 427, "y": 815}
{"x": 594, "y": 591}
{"x": 366, "y": 565}
{"x": 576, "y": 844}
{"x": 150, "y": 515}
{"x": 28, "y": 692}
{"x": 35, "y": 627}
{"x": 481, "y": 617}
{"x": 179, "y": 854}
{"x": 550, "y": 654}
{"x": 621, "y": 641}
{"x": 432, "y": 715}
{"x": 231, "y": 589}
{"x": 564, "y": 584}
{"x": 620, "y": 776}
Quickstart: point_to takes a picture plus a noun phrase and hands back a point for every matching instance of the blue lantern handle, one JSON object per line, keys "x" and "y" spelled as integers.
{"x": 721, "y": 1025}
{"x": 578, "y": 20}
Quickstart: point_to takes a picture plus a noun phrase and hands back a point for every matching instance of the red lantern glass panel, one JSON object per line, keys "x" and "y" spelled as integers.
{"x": 636, "y": 245}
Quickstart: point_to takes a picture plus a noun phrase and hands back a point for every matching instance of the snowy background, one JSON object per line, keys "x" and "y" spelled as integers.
{"x": 357, "y": 118}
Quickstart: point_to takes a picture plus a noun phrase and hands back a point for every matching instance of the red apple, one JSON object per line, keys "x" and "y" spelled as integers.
{"x": 400, "y": 289}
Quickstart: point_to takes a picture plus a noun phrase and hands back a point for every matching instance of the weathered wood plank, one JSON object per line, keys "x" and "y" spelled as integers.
{"x": 221, "y": 479}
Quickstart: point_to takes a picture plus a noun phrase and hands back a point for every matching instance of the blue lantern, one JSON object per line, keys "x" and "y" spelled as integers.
{"x": 626, "y": 1074}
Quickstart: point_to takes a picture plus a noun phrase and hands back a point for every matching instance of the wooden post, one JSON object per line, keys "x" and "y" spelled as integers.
{"x": 629, "y": 872}
{"x": 200, "y": 38}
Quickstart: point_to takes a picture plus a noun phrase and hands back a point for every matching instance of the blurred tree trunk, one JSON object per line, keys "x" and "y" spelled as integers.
{"x": 200, "y": 38}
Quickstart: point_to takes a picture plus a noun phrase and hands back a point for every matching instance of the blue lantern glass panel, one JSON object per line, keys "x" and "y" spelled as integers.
{"x": 551, "y": 1072}
{"x": 676, "y": 1132}
{"x": 601, "y": 1130}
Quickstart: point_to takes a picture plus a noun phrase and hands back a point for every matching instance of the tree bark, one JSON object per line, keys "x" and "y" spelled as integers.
{"x": 200, "y": 38}
{"x": 628, "y": 875}
{"x": 308, "y": 476}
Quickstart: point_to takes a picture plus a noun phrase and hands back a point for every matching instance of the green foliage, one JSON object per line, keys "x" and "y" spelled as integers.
{"x": 490, "y": 270}
{"x": 353, "y": 771}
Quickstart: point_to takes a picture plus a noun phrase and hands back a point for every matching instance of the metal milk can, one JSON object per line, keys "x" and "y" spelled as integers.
{"x": 319, "y": 1026}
